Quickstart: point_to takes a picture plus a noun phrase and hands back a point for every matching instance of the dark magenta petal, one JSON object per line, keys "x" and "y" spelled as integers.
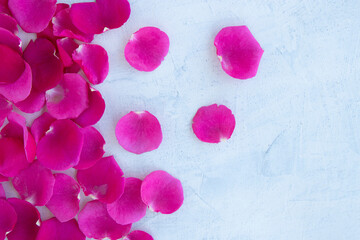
{"x": 8, "y": 218}
{"x": 95, "y": 222}
{"x": 129, "y": 208}
{"x": 47, "y": 69}
{"x": 10, "y": 39}
{"x": 52, "y": 229}
{"x": 2, "y": 192}
{"x": 12, "y": 65}
{"x": 238, "y": 51}
{"x": 8, "y": 23}
{"x": 26, "y": 227}
{"x": 139, "y": 132}
{"x": 74, "y": 68}
{"x": 32, "y": 15}
{"x": 3, "y": 178}
{"x": 41, "y": 125}
{"x": 93, "y": 148}
{"x": 214, "y": 123}
{"x": 4, "y": 7}
{"x": 64, "y": 203}
{"x": 147, "y": 48}
{"x": 33, "y": 103}
{"x": 114, "y": 12}
{"x": 94, "y": 112}
{"x": 103, "y": 181}
{"x": 61, "y": 146}
{"x": 35, "y": 184}
{"x": 66, "y": 47}
{"x": 69, "y": 99}
{"x": 162, "y": 192}
{"x": 94, "y": 61}
{"x": 138, "y": 235}
{"x": 5, "y": 109}
{"x": 12, "y": 157}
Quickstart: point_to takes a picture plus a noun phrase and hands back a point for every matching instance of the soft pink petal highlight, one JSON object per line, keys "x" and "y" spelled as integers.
{"x": 52, "y": 229}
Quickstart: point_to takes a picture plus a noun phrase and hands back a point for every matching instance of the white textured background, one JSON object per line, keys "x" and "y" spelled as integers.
{"x": 291, "y": 170}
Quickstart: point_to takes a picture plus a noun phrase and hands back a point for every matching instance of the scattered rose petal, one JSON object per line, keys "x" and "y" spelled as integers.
{"x": 35, "y": 184}
{"x": 8, "y": 218}
{"x": 147, "y": 48}
{"x": 69, "y": 99}
{"x": 52, "y": 229}
{"x": 32, "y": 15}
{"x": 214, "y": 123}
{"x": 139, "y": 132}
{"x": 129, "y": 208}
{"x": 74, "y": 68}
{"x": 94, "y": 112}
{"x": 138, "y": 235}
{"x": 33, "y": 103}
{"x": 7, "y": 22}
{"x": 95, "y": 222}
{"x": 5, "y": 109}
{"x": 12, "y": 157}
{"x": 3, "y": 178}
{"x": 61, "y": 146}
{"x": 162, "y": 192}
{"x": 238, "y": 51}
{"x": 10, "y": 39}
{"x": 94, "y": 61}
{"x": 104, "y": 180}
{"x": 64, "y": 203}
{"x": 66, "y": 47}
{"x": 93, "y": 148}
{"x": 12, "y": 65}
{"x": 26, "y": 227}
{"x": 2, "y": 192}
{"x": 4, "y": 7}
{"x": 41, "y": 125}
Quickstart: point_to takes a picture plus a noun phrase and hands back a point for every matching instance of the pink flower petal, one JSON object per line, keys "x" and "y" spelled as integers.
{"x": 4, "y": 7}
{"x": 61, "y": 146}
{"x": 94, "y": 61}
{"x": 138, "y": 235}
{"x": 5, "y": 109}
{"x": 238, "y": 51}
{"x": 3, "y": 178}
{"x": 10, "y": 39}
{"x": 69, "y": 99}
{"x": 41, "y": 125}
{"x": 33, "y": 103}
{"x": 114, "y": 12}
{"x": 74, "y": 68}
{"x": 162, "y": 192}
{"x": 8, "y": 23}
{"x": 147, "y": 48}
{"x": 32, "y": 15}
{"x": 12, "y": 157}
{"x": 35, "y": 184}
{"x": 104, "y": 180}
{"x": 139, "y": 132}
{"x": 66, "y": 47}
{"x": 94, "y": 112}
{"x": 26, "y": 226}
{"x": 93, "y": 148}
{"x": 95, "y": 222}
{"x": 129, "y": 208}
{"x": 52, "y": 229}
{"x": 12, "y": 65}
{"x": 8, "y": 218}
{"x": 64, "y": 203}
{"x": 2, "y": 192}
{"x": 64, "y": 27}
{"x": 214, "y": 123}
{"x": 47, "y": 69}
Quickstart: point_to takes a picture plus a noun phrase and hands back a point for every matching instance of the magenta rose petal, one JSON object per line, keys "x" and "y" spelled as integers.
{"x": 33, "y": 103}
{"x": 8, "y": 218}
{"x": 10, "y": 39}
{"x": 103, "y": 181}
{"x": 138, "y": 235}
{"x": 64, "y": 203}
{"x": 35, "y": 184}
{"x": 93, "y": 148}
{"x": 94, "y": 61}
{"x": 2, "y": 192}
{"x": 12, "y": 66}
{"x": 41, "y": 125}
{"x": 114, "y": 12}
{"x": 26, "y": 227}
{"x": 4, "y": 7}
{"x": 129, "y": 208}
{"x": 161, "y": 192}
{"x": 94, "y": 112}
{"x": 3, "y": 178}
{"x": 61, "y": 146}
{"x": 139, "y": 132}
{"x": 9, "y": 23}
{"x": 95, "y": 222}
{"x": 66, "y": 47}
{"x": 87, "y": 17}
{"x": 69, "y": 99}
{"x": 147, "y": 48}
{"x": 214, "y": 123}
{"x": 32, "y": 15}
{"x": 12, "y": 157}
{"x": 238, "y": 51}
{"x": 54, "y": 229}
{"x": 5, "y": 109}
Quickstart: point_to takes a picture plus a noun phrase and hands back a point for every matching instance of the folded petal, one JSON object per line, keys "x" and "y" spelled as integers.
{"x": 52, "y": 229}
{"x": 66, "y": 47}
{"x": 8, "y": 218}
{"x": 41, "y": 125}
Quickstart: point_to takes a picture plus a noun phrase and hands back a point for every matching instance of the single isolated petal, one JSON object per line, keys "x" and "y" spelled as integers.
{"x": 66, "y": 47}
{"x": 41, "y": 125}
{"x": 147, "y": 48}
{"x": 103, "y": 181}
{"x": 26, "y": 227}
{"x": 138, "y": 235}
{"x": 162, "y": 192}
{"x": 32, "y": 15}
{"x": 35, "y": 184}
{"x": 69, "y": 99}
{"x": 94, "y": 112}
{"x": 238, "y": 51}
{"x": 12, "y": 65}
{"x": 95, "y": 222}
{"x": 12, "y": 157}
{"x": 10, "y": 39}
{"x": 54, "y": 229}
{"x": 61, "y": 146}
{"x": 5, "y": 109}
{"x": 139, "y": 132}
{"x": 33, "y": 103}
{"x": 2, "y": 191}
{"x": 94, "y": 61}
{"x": 64, "y": 203}
{"x": 214, "y": 123}
{"x": 93, "y": 148}
{"x": 8, "y": 22}
{"x": 129, "y": 208}
{"x": 8, "y": 218}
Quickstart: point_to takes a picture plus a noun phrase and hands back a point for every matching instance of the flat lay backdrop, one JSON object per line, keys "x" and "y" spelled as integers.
{"x": 291, "y": 170}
